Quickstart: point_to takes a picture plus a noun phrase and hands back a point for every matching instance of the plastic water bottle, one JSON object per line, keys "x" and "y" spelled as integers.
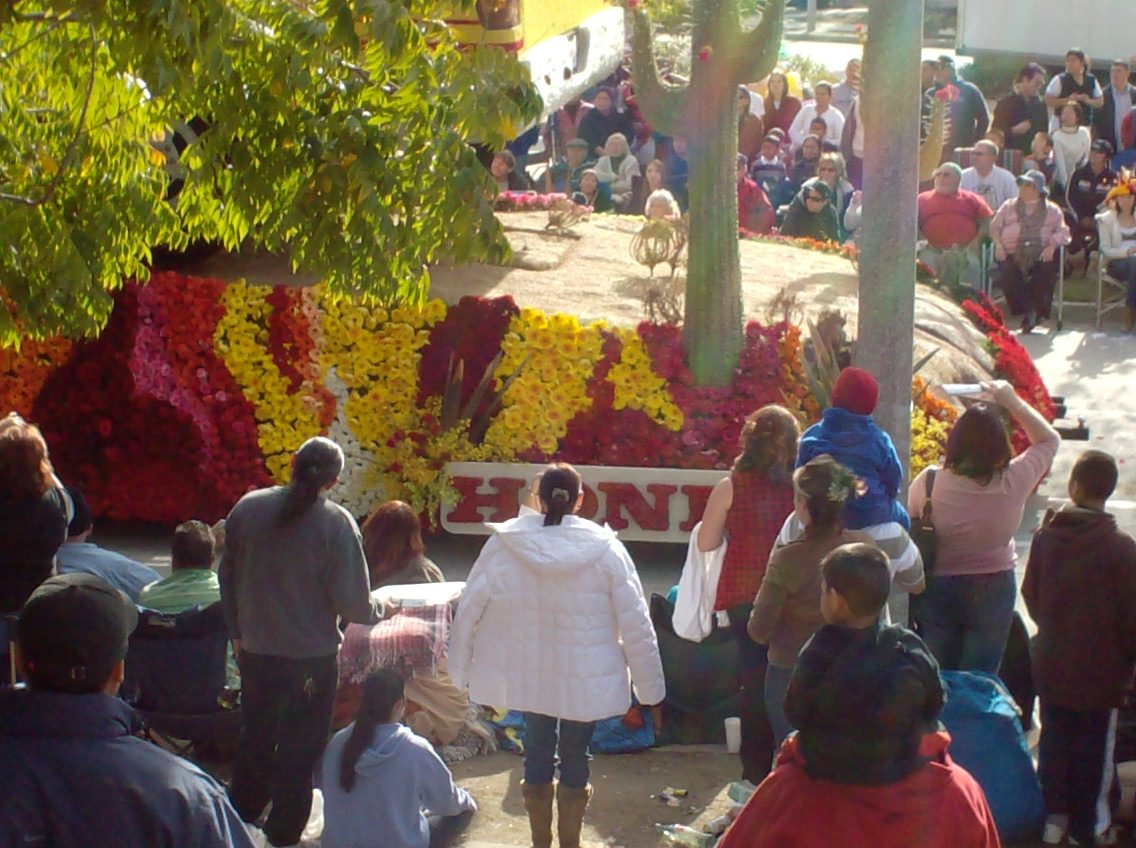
{"x": 681, "y": 836}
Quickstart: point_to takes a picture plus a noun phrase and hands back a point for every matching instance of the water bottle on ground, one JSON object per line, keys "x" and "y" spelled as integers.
{"x": 681, "y": 836}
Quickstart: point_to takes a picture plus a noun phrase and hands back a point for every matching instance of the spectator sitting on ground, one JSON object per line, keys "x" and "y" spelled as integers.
{"x": 754, "y": 211}
{"x": 661, "y": 204}
{"x": 1081, "y": 579}
{"x": 592, "y": 192}
{"x": 599, "y": 124}
{"x": 853, "y": 217}
{"x": 750, "y": 129}
{"x": 951, "y": 219}
{"x": 848, "y": 89}
{"x": 830, "y": 169}
{"x": 618, "y": 168}
{"x": 768, "y": 169}
{"x": 76, "y": 771}
{"x": 968, "y": 115}
{"x": 804, "y": 164}
{"x": 1021, "y": 114}
{"x": 833, "y": 119}
{"x": 503, "y": 168}
{"x": 392, "y": 543}
{"x": 79, "y": 554}
{"x": 884, "y": 783}
{"x": 811, "y": 215}
{"x": 654, "y": 179}
{"x": 1117, "y": 227}
{"x": 781, "y": 107}
{"x": 192, "y": 581}
{"x": 1075, "y": 86}
{"x": 1071, "y": 145}
{"x": 1088, "y": 188}
{"x": 384, "y": 784}
{"x": 988, "y": 180}
{"x": 819, "y": 128}
{"x": 566, "y": 172}
{"x": 1118, "y": 98}
{"x": 678, "y": 171}
{"x": 1040, "y": 157}
{"x": 1027, "y": 233}
{"x": 565, "y": 121}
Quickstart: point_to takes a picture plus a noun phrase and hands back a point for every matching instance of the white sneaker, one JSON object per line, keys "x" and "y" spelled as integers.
{"x": 1055, "y": 830}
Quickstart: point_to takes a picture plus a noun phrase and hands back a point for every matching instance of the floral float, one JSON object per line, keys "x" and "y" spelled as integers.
{"x": 198, "y": 391}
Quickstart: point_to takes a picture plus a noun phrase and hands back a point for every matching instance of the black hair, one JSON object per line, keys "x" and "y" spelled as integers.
{"x": 1079, "y": 53}
{"x": 559, "y": 489}
{"x": 1096, "y": 473}
{"x": 318, "y": 462}
{"x": 1030, "y": 71}
{"x": 382, "y": 690}
{"x": 193, "y": 546}
{"x": 859, "y": 573}
{"x": 978, "y": 446}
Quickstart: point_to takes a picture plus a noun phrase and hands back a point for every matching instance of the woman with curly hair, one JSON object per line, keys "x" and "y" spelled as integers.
{"x": 786, "y": 611}
{"x": 746, "y": 510}
{"x": 33, "y": 515}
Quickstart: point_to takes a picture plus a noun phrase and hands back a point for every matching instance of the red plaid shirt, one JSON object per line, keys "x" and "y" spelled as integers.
{"x": 757, "y": 511}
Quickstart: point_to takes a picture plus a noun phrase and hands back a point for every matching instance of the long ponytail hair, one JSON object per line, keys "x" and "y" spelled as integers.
{"x": 318, "y": 462}
{"x": 559, "y": 489}
{"x": 382, "y": 690}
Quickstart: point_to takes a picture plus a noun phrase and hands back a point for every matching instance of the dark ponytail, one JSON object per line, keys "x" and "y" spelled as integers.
{"x": 382, "y": 690}
{"x": 317, "y": 463}
{"x": 559, "y": 489}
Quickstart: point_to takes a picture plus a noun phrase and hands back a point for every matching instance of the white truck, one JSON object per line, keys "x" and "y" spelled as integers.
{"x": 1042, "y": 30}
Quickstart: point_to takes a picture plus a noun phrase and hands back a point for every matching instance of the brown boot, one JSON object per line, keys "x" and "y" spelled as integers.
{"x": 538, "y": 804}
{"x": 570, "y": 806}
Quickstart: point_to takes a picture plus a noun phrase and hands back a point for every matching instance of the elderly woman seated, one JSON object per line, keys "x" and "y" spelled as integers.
{"x": 618, "y": 168}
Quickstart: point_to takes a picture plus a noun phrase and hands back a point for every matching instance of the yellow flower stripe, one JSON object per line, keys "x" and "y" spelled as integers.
{"x": 284, "y": 420}
{"x": 637, "y": 386}
{"x": 556, "y": 355}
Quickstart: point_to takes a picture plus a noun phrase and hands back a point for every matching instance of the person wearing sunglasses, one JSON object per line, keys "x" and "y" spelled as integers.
{"x": 812, "y": 214}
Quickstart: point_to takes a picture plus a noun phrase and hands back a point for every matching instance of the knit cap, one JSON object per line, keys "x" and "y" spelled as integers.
{"x": 856, "y": 391}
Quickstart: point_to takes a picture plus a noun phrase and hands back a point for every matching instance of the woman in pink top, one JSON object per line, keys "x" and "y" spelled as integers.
{"x": 977, "y": 501}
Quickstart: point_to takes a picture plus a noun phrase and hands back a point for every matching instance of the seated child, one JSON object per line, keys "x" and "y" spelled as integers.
{"x": 383, "y": 785}
{"x": 768, "y": 170}
{"x": 1080, "y": 588}
{"x": 1041, "y": 156}
{"x": 860, "y": 773}
{"x": 848, "y": 733}
{"x": 847, "y": 432}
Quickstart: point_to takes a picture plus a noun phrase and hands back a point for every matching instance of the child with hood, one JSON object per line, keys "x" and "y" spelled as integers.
{"x": 385, "y": 786}
{"x": 847, "y": 432}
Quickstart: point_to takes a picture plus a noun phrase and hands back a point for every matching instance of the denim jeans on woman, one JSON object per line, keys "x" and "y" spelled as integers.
{"x": 1125, "y": 269}
{"x": 965, "y": 619}
{"x": 542, "y": 746}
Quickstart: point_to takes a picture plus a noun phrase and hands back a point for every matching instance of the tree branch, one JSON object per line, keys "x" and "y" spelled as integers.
{"x": 662, "y": 105}
{"x": 757, "y": 50}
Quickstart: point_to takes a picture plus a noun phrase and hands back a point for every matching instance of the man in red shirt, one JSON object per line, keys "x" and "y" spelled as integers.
{"x": 952, "y": 223}
{"x": 755, "y": 213}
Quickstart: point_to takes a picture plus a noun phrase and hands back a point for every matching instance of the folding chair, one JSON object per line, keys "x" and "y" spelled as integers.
{"x": 1102, "y": 304}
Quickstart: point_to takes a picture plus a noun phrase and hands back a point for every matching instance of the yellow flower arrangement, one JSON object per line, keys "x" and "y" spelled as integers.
{"x": 637, "y": 386}
{"x": 284, "y": 419}
{"x": 794, "y": 383}
{"x": 931, "y": 420}
{"x": 556, "y": 356}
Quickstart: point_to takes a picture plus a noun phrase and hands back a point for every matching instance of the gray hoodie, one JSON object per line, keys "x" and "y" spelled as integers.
{"x": 399, "y": 780}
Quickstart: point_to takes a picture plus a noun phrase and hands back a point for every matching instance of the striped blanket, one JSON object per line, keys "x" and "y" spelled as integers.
{"x": 411, "y": 638}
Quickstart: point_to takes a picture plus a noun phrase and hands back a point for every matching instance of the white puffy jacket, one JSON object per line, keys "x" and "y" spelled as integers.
{"x": 551, "y": 621}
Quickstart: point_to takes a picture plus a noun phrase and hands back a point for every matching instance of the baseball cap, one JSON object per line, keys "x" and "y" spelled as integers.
{"x": 1102, "y": 145}
{"x": 951, "y": 168}
{"x": 72, "y": 630}
{"x": 578, "y": 142}
{"x": 1034, "y": 178}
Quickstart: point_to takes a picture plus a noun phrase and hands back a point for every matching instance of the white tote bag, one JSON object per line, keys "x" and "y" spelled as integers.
{"x": 697, "y": 588}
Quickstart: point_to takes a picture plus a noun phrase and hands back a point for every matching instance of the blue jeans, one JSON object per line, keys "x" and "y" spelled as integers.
{"x": 542, "y": 747}
{"x": 776, "y": 685}
{"x": 965, "y": 619}
{"x": 1125, "y": 269}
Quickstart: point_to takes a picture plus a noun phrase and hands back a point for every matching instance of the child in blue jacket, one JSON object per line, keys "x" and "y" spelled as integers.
{"x": 847, "y": 432}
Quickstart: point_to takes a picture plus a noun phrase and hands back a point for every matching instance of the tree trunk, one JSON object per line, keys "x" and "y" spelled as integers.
{"x": 713, "y": 324}
{"x": 890, "y": 111}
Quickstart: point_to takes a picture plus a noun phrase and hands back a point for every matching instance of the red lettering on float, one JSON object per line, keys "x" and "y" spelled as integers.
{"x": 646, "y": 516}
{"x": 696, "y": 497}
{"x": 503, "y": 499}
{"x": 591, "y": 504}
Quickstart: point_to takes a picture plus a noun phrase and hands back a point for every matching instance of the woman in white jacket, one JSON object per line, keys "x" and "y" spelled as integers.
{"x": 618, "y": 168}
{"x": 551, "y": 622}
{"x": 1117, "y": 229}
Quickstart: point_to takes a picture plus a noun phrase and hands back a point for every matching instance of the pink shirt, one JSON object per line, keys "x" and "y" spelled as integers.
{"x": 976, "y": 523}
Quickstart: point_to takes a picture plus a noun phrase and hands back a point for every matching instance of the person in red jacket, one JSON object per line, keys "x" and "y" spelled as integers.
{"x": 1080, "y": 588}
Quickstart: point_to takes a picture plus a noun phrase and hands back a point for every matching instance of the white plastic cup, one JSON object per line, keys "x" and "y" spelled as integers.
{"x": 733, "y": 734}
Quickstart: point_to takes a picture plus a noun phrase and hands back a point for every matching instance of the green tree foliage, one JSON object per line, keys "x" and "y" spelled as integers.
{"x": 337, "y": 132}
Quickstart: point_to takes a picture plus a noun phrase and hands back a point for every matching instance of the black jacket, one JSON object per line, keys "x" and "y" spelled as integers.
{"x": 1104, "y": 123}
{"x": 1080, "y": 588}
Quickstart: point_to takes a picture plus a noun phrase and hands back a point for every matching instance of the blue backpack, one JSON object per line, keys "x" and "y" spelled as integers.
{"x": 987, "y": 741}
